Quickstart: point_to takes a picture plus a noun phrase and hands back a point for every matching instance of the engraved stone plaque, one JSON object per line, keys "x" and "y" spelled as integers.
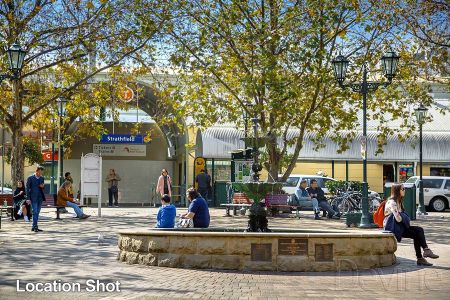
{"x": 261, "y": 252}
{"x": 324, "y": 252}
{"x": 292, "y": 246}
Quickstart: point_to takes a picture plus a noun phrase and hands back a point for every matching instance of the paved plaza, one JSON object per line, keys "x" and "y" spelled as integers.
{"x": 70, "y": 250}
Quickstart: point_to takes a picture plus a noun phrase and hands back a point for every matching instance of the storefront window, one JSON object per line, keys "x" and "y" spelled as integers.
{"x": 222, "y": 169}
{"x": 405, "y": 171}
{"x": 440, "y": 171}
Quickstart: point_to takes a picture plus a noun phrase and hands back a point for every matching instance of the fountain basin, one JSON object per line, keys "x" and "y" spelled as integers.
{"x": 284, "y": 250}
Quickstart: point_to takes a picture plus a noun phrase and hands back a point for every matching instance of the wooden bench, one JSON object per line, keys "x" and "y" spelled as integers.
{"x": 235, "y": 207}
{"x": 50, "y": 202}
{"x": 274, "y": 202}
{"x": 240, "y": 200}
{"x": 8, "y": 208}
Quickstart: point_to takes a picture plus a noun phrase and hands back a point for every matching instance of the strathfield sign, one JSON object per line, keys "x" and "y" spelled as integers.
{"x": 122, "y": 139}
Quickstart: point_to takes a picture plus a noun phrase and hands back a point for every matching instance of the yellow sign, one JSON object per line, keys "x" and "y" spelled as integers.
{"x": 199, "y": 164}
{"x": 126, "y": 94}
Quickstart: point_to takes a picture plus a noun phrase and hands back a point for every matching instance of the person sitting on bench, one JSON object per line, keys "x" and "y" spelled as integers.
{"x": 63, "y": 199}
{"x": 303, "y": 196}
{"x": 316, "y": 192}
{"x": 22, "y": 206}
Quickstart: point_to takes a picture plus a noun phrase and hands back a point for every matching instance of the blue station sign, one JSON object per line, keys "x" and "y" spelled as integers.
{"x": 122, "y": 139}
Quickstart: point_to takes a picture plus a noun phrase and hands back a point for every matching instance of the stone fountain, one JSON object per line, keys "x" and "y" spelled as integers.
{"x": 257, "y": 248}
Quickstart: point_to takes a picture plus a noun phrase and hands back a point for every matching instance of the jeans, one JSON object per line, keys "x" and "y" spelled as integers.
{"x": 327, "y": 207}
{"x": 116, "y": 198}
{"x": 416, "y": 233}
{"x": 203, "y": 192}
{"x": 36, "y": 205}
{"x": 315, "y": 203}
{"x": 75, "y": 207}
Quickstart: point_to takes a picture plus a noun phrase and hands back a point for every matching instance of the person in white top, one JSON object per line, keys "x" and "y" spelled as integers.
{"x": 395, "y": 206}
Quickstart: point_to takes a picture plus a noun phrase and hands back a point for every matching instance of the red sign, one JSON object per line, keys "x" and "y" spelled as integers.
{"x": 47, "y": 156}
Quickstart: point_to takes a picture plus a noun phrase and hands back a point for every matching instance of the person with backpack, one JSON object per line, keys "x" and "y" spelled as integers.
{"x": 397, "y": 221}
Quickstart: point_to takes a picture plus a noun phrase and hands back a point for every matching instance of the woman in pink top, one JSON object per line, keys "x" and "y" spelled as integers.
{"x": 164, "y": 186}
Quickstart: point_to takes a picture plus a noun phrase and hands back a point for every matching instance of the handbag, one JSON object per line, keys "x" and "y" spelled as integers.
{"x": 114, "y": 188}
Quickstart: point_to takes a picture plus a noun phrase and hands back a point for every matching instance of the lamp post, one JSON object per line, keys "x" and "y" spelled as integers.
{"x": 421, "y": 114}
{"x": 340, "y": 65}
{"x": 16, "y": 56}
{"x": 61, "y": 113}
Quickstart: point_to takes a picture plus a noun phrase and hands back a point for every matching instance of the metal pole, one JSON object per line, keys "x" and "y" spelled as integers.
{"x": 58, "y": 183}
{"x": 52, "y": 179}
{"x": 61, "y": 151}
{"x": 421, "y": 197}
{"x": 3, "y": 160}
{"x": 365, "y": 222}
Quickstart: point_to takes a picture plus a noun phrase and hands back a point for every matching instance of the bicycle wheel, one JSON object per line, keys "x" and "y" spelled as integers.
{"x": 346, "y": 206}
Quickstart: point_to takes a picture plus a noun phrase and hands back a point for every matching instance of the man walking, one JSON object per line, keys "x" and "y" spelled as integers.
{"x": 35, "y": 192}
{"x": 203, "y": 180}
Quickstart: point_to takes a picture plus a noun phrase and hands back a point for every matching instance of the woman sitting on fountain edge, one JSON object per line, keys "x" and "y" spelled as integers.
{"x": 198, "y": 209}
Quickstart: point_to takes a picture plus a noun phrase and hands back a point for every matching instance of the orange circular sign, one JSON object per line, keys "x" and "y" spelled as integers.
{"x": 126, "y": 94}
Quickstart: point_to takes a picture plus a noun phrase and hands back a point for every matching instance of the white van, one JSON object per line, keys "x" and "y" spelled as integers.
{"x": 436, "y": 191}
{"x": 293, "y": 182}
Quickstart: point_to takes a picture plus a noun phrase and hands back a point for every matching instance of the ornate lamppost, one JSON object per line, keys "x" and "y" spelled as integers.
{"x": 340, "y": 65}
{"x": 61, "y": 113}
{"x": 16, "y": 56}
{"x": 421, "y": 114}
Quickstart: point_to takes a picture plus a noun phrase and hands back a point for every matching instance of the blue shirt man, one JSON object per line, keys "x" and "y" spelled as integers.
{"x": 166, "y": 214}
{"x": 35, "y": 192}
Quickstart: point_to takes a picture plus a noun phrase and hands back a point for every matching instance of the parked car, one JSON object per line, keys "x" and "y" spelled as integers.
{"x": 293, "y": 182}
{"x": 436, "y": 191}
{"x": 6, "y": 190}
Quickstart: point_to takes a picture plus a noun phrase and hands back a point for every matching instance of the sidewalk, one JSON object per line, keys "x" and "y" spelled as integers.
{"x": 69, "y": 250}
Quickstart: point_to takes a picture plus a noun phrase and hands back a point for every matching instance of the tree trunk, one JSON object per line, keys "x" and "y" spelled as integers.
{"x": 17, "y": 158}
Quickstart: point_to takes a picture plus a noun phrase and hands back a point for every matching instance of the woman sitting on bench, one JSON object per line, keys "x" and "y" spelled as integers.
{"x": 64, "y": 200}
{"x": 22, "y": 206}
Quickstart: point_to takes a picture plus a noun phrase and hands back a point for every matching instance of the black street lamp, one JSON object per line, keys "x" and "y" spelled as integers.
{"x": 61, "y": 113}
{"x": 16, "y": 57}
{"x": 340, "y": 65}
{"x": 421, "y": 114}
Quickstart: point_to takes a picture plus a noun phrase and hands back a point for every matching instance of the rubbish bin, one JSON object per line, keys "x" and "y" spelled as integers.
{"x": 409, "y": 202}
{"x": 220, "y": 192}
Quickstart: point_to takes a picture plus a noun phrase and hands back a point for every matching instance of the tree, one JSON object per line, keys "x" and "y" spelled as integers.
{"x": 68, "y": 44}
{"x": 272, "y": 59}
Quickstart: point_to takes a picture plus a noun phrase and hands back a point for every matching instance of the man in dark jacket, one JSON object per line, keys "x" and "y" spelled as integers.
{"x": 35, "y": 192}
{"x": 316, "y": 192}
{"x": 203, "y": 180}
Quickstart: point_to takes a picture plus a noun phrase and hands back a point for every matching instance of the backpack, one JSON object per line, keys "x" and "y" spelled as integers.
{"x": 378, "y": 216}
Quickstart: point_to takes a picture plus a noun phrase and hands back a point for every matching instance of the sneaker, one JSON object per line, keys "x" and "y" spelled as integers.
{"x": 116, "y": 205}
{"x": 26, "y": 219}
{"x": 428, "y": 253}
{"x": 423, "y": 262}
{"x": 317, "y": 217}
{"x": 336, "y": 216}
{"x": 110, "y": 206}
{"x": 84, "y": 216}
{"x": 38, "y": 230}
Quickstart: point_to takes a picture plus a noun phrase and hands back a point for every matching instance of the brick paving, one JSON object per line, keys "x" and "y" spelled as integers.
{"x": 69, "y": 250}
